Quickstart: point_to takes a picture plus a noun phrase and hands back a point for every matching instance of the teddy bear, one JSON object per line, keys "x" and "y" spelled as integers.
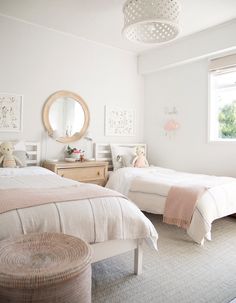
{"x": 7, "y": 158}
{"x": 140, "y": 160}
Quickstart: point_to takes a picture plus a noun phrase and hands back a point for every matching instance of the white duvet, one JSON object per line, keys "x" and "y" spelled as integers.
{"x": 94, "y": 220}
{"x": 149, "y": 187}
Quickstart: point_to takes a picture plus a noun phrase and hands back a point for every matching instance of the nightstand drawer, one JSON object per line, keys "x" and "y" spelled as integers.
{"x": 88, "y": 171}
{"x": 85, "y": 174}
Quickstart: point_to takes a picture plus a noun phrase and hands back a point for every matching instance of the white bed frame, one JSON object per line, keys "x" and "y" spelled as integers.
{"x": 102, "y": 151}
{"x": 103, "y": 250}
{"x": 33, "y": 152}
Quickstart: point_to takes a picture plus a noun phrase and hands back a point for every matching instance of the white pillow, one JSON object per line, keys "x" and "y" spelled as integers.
{"x": 20, "y": 145}
{"x": 118, "y": 152}
{"x": 127, "y": 160}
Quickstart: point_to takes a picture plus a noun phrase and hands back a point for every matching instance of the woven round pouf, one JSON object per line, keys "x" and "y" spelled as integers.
{"x": 45, "y": 268}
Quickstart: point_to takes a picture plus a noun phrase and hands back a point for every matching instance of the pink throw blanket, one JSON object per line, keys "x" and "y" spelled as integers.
{"x": 11, "y": 199}
{"x": 181, "y": 203}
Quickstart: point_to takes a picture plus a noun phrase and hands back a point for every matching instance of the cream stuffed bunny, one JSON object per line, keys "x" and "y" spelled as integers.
{"x": 8, "y": 159}
{"x": 140, "y": 159}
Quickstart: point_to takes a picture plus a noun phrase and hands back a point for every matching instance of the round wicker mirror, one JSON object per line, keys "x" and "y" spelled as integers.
{"x": 66, "y": 116}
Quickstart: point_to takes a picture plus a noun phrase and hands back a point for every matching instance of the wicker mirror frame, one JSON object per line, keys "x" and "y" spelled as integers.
{"x": 46, "y": 109}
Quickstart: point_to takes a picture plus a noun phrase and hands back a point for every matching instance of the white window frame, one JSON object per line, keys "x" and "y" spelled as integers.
{"x": 212, "y": 127}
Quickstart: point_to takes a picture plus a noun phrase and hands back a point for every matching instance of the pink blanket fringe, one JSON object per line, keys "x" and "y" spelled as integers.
{"x": 181, "y": 203}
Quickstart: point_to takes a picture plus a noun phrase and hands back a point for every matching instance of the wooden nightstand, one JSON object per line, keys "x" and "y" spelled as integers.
{"x": 88, "y": 171}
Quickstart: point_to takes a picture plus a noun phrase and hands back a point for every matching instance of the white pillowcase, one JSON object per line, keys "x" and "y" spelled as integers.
{"x": 20, "y": 145}
{"x": 121, "y": 155}
{"x": 127, "y": 160}
{"x": 20, "y": 152}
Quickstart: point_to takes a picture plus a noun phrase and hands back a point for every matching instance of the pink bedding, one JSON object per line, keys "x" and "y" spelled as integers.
{"x": 16, "y": 198}
{"x": 181, "y": 203}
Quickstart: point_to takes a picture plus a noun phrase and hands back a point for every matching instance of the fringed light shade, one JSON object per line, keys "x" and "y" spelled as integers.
{"x": 151, "y": 21}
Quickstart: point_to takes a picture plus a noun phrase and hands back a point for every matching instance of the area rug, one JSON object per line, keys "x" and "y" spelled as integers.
{"x": 181, "y": 271}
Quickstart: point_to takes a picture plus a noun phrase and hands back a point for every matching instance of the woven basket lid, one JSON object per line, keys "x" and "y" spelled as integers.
{"x": 35, "y": 260}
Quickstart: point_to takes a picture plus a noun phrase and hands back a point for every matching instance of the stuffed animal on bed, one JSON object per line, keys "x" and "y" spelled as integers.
{"x": 140, "y": 160}
{"x": 8, "y": 159}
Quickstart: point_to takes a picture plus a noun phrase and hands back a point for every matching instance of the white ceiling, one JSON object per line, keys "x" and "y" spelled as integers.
{"x": 102, "y": 20}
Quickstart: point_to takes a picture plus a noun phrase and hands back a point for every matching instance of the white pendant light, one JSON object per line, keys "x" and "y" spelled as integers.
{"x": 151, "y": 21}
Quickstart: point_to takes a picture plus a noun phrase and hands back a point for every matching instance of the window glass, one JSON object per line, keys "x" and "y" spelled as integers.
{"x": 223, "y": 105}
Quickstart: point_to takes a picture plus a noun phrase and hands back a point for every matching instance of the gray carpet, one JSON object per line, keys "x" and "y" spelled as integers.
{"x": 181, "y": 271}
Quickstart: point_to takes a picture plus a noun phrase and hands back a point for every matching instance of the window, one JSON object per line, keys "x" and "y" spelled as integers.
{"x": 222, "y": 109}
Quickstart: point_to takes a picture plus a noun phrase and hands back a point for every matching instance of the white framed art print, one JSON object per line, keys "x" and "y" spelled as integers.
{"x": 11, "y": 109}
{"x": 119, "y": 121}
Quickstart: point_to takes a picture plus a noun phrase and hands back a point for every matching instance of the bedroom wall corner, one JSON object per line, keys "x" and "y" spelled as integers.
{"x": 188, "y": 149}
{"x": 176, "y": 75}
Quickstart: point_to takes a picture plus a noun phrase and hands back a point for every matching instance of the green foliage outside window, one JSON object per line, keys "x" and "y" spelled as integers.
{"x": 227, "y": 121}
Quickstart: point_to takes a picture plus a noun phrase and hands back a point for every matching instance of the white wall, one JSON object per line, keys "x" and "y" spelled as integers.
{"x": 210, "y": 42}
{"x": 36, "y": 62}
{"x": 185, "y": 87}
{"x": 177, "y": 75}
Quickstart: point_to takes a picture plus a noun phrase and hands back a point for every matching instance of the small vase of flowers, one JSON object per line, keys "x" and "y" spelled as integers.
{"x": 75, "y": 153}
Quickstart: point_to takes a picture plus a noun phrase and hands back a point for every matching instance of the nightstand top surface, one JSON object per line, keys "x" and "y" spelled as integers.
{"x": 76, "y": 163}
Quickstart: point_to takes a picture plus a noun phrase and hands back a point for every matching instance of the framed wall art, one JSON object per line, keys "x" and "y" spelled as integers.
{"x": 119, "y": 121}
{"x": 11, "y": 109}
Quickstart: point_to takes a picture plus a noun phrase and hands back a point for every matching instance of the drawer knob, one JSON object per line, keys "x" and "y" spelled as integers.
{"x": 98, "y": 173}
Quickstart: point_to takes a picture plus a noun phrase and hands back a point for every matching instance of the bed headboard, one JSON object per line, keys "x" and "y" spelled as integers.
{"x": 33, "y": 151}
{"x": 102, "y": 151}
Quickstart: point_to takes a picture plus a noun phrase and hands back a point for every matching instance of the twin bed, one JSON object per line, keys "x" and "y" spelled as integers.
{"x": 149, "y": 188}
{"x": 33, "y": 199}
